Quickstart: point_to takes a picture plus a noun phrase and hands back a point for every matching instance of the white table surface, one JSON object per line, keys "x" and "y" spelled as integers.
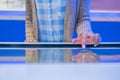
{"x": 92, "y": 71}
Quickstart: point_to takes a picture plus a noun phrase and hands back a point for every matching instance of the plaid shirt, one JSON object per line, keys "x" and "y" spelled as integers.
{"x": 51, "y": 27}
{"x": 51, "y": 20}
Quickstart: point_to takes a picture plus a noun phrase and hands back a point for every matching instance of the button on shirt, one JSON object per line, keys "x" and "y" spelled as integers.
{"x": 51, "y": 20}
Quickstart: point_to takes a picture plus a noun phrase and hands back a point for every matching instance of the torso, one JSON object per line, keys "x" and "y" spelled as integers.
{"x": 51, "y": 20}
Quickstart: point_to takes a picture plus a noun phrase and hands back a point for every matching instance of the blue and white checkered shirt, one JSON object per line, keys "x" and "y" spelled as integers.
{"x": 51, "y": 27}
{"x": 51, "y": 20}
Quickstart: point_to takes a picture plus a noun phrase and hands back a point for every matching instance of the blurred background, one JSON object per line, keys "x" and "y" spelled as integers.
{"x": 105, "y": 19}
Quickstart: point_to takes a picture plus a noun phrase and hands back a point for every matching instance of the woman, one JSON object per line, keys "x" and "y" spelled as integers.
{"x": 55, "y": 21}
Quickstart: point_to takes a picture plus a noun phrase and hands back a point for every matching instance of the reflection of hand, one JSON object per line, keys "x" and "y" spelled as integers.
{"x": 85, "y": 56}
{"x": 31, "y": 56}
{"x": 87, "y": 38}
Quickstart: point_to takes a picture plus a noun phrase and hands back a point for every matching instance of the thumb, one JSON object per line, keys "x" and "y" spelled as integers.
{"x": 75, "y": 40}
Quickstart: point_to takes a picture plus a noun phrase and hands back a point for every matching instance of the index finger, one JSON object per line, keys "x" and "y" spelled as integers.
{"x": 84, "y": 37}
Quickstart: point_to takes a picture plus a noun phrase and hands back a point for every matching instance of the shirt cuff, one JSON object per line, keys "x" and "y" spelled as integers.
{"x": 82, "y": 27}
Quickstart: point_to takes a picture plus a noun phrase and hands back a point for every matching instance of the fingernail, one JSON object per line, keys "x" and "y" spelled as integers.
{"x": 95, "y": 45}
{"x": 83, "y": 46}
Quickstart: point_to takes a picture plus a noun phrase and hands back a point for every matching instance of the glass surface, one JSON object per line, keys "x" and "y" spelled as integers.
{"x": 59, "y": 61}
{"x": 58, "y": 53}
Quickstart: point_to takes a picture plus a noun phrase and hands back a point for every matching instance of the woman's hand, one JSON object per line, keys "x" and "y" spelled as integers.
{"x": 31, "y": 54}
{"x": 87, "y": 38}
{"x": 30, "y": 40}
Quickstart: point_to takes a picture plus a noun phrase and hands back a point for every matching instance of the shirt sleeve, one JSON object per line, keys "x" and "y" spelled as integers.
{"x": 29, "y": 23}
{"x": 83, "y": 19}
